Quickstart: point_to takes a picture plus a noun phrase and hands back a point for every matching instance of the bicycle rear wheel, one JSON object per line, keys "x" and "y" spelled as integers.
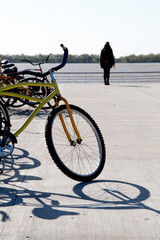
{"x": 81, "y": 161}
{"x": 36, "y": 91}
{"x": 33, "y": 91}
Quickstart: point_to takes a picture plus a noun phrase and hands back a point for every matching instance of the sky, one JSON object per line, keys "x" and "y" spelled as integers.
{"x": 83, "y": 26}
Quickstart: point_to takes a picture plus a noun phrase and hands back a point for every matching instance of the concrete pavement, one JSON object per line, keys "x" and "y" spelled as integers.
{"x": 37, "y": 201}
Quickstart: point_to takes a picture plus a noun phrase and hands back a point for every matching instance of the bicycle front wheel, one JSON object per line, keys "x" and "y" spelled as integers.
{"x": 80, "y": 161}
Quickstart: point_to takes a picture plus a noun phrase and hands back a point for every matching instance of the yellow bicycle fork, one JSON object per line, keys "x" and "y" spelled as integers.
{"x": 72, "y": 121}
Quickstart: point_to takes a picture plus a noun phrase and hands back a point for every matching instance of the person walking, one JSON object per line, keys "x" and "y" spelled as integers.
{"x": 107, "y": 61}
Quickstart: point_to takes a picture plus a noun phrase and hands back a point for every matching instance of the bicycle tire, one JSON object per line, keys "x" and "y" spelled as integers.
{"x": 4, "y": 118}
{"x": 6, "y": 138}
{"x": 88, "y": 156}
{"x": 8, "y": 101}
{"x": 15, "y": 103}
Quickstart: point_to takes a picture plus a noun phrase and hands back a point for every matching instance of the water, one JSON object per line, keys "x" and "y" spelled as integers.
{"x": 92, "y": 73}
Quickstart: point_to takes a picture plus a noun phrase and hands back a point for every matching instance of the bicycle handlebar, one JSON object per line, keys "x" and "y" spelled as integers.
{"x": 36, "y": 64}
{"x": 48, "y": 58}
{"x": 39, "y": 74}
{"x": 64, "y": 61}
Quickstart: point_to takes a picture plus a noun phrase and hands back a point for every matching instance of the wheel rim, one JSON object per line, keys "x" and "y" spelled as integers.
{"x": 7, "y": 146}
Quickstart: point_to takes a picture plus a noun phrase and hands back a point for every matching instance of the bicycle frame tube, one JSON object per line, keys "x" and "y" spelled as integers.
{"x": 33, "y": 114}
{"x": 42, "y": 102}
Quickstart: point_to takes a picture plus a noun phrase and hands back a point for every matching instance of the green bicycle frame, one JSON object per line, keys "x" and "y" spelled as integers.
{"x": 42, "y": 102}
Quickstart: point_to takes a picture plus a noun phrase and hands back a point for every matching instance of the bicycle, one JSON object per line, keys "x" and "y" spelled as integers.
{"x": 5, "y": 79}
{"x": 13, "y": 76}
{"x": 34, "y": 91}
{"x": 74, "y": 140}
{"x": 39, "y": 69}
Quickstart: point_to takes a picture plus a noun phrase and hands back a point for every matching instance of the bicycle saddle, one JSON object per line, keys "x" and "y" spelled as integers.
{"x": 10, "y": 70}
{"x": 5, "y": 61}
{"x": 8, "y": 65}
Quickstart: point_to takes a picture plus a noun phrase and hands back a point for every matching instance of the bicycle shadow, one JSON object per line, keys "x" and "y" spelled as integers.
{"x": 11, "y": 194}
{"x": 25, "y": 111}
{"x": 98, "y": 194}
{"x": 14, "y": 163}
{"x": 116, "y": 195}
{"x": 113, "y": 194}
{"x": 24, "y": 197}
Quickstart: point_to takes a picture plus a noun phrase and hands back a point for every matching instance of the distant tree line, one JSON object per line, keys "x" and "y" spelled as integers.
{"x": 84, "y": 58}
{"x": 57, "y": 58}
{"x": 140, "y": 59}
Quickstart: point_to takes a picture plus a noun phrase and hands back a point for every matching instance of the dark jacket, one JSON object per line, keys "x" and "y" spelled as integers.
{"x": 106, "y": 57}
